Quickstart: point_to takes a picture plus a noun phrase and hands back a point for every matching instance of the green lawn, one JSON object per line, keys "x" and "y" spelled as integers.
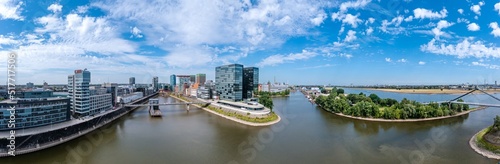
{"x": 484, "y": 144}
{"x": 270, "y": 117}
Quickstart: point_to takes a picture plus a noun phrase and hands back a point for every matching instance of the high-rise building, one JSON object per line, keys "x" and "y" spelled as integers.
{"x": 155, "y": 84}
{"x": 229, "y": 82}
{"x": 172, "y": 82}
{"x": 184, "y": 83}
{"x": 30, "y": 85}
{"x": 131, "y": 81}
{"x": 201, "y": 78}
{"x": 192, "y": 78}
{"x": 79, "y": 92}
{"x": 250, "y": 81}
{"x": 84, "y": 101}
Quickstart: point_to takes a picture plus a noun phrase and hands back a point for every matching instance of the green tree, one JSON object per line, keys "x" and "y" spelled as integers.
{"x": 340, "y": 91}
{"x": 374, "y": 98}
{"x": 266, "y": 101}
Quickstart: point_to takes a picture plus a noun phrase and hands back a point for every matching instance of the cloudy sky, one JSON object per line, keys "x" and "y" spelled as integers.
{"x": 297, "y": 41}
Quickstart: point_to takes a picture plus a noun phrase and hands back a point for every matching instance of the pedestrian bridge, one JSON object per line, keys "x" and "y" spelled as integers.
{"x": 454, "y": 101}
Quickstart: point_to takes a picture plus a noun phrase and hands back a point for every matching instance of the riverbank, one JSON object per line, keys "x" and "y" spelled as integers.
{"x": 473, "y": 142}
{"x": 431, "y": 91}
{"x": 407, "y": 120}
{"x": 232, "y": 118}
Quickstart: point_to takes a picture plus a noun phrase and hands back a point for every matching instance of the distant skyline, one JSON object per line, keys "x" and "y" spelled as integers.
{"x": 359, "y": 42}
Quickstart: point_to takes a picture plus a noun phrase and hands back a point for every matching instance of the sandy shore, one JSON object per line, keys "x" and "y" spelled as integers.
{"x": 408, "y": 120}
{"x": 433, "y": 91}
{"x": 484, "y": 152}
{"x": 235, "y": 119}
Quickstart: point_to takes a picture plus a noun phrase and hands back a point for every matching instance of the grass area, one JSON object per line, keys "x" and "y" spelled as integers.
{"x": 270, "y": 117}
{"x": 481, "y": 142}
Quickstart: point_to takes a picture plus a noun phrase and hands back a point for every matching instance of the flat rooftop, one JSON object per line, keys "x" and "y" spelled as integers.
{"x": 242, "y": 104}
{"x": 10, "y": 101}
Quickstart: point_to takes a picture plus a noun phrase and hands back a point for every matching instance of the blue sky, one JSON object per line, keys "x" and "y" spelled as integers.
{"x": 360, "y": 42}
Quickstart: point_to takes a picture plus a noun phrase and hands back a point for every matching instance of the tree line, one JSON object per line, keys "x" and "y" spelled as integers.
{"x": 372, "y": 106}
{"x": 282, "y": 93}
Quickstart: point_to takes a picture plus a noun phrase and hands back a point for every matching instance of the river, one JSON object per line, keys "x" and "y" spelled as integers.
{"x": 306, "y": 134}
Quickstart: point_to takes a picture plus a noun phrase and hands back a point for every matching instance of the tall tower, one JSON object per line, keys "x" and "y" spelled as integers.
{"x": 229, "y": 82}
{"x": 172, "y": 82}
{"x": 155, "y": 84}
{"x": 131, "y": 81}
{"x": 79, "y": 92}
{"x": 250, "y": 81}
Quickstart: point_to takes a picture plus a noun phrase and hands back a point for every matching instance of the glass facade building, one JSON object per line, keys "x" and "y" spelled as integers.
{"x": 34, "y": 112}
{"x": 131, "y": 81}
{"x": 172, "y": 82}
{"x": 229, "y": 82}
{"x": 250, "y": 81}
{"x": 201, "y": 78}
{"x": 155, "y": 84}
{"x": 79, "y": 92}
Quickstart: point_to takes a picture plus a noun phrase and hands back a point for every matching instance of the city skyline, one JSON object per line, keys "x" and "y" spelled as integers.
{"x": 361, "y": 42}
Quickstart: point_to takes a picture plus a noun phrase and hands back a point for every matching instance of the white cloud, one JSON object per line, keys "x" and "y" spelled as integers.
{"x": 461, "y": 11}
{"x": 388, "y": 60}
{"x": 136, "y": 32}
{"x": 477, "y": 8}
{"x": 489, "y": 66}
{"x": 371, "y": 20}
{"x": 353, "y": 20}
{"x": 7, "y": 40}
{"x": 55, "y": 8}
{"x": 318, "y": 66}
{"x": 473, "y": 27}
{"x": 280, "y": 59}
{"x": 409, "y": 18}
{"x": 442, "y": 24}
{"x": 497, "y": 7}
{"x": 182, "y": 56}
{"x": 460, "y": 20}
{"x": 351, "y": 36}
{"x": 341, "y": 30}
{"x": 402, "y": 60}
{"x": 353, "y": 4}
{"x": 421, "y": 63}
{"x": 467, "y": 48}
{"x": 10, "y": 9}
{"x": 82, "y": 9}
{"x": 369, "y": 31}
{"x": 496, "y": 29}
{"x": 421, "y": 13}
{"x": 212, "y": 23}
{"x": 319, "y": 19}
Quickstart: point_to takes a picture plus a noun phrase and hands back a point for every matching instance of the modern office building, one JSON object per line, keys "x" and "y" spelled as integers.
{"x": 155, "y": 84}
{"x": 100, "y": 102}
{"x": 184, "y": 83}
{"x": 229, "y": 82}
{"x": 35, "y": 112}
{"x": 201, "y": 78}
{"x": 79, "y": 92}
{"x": 35, "y": 94}
{"x": 172, "y": 82}
{"x": 30, "y": 85}
{"x": 84, "y": 100}
{"x": 192, "y": 78}
{"x": 131, "y": 80}
{"x": 250, "y": 81}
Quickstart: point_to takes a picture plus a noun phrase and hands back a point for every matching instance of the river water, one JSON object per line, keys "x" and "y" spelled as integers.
{"x": 306, "y": 134}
